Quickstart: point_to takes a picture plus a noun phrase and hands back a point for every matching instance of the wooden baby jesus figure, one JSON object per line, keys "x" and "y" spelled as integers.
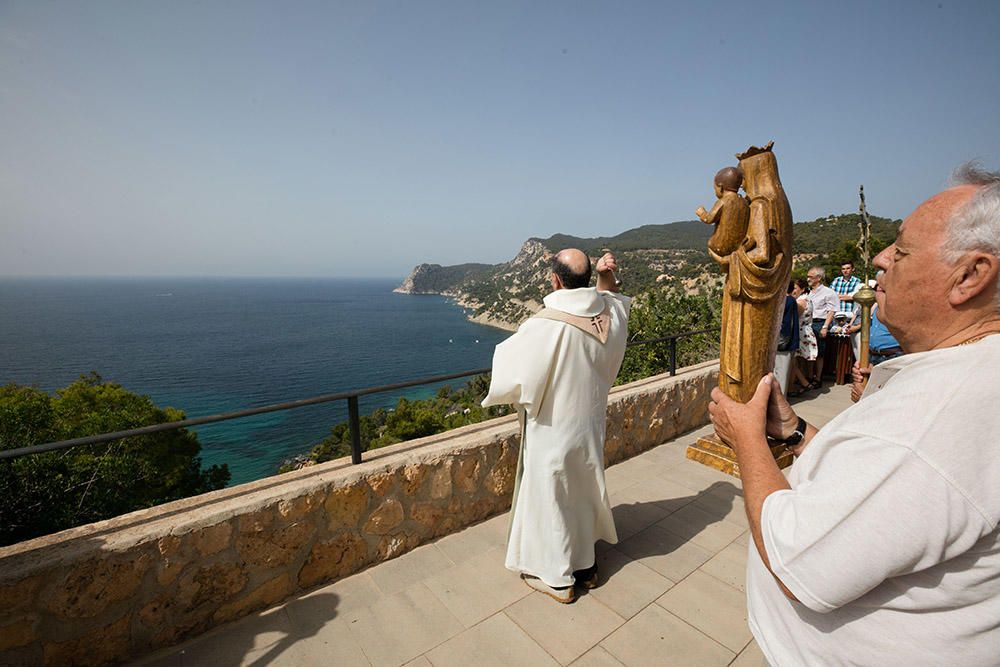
{"x": 730, "y": 214}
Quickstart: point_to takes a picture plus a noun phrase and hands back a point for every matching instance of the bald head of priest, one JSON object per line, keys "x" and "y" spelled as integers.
{"x": 571, "y": 269}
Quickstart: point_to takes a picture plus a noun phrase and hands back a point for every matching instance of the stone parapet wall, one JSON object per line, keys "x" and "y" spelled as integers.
{"x": 120, "y": 588}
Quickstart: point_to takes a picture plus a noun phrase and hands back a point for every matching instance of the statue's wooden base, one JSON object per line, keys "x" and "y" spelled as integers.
{"x": 714, "y": 453}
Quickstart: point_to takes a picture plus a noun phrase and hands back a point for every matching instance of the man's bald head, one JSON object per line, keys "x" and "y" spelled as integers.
{"x": 572, "y": 269}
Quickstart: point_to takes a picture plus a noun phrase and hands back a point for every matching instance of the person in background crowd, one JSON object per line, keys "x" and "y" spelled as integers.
{"x": 806, "y": 355}
{"x": 845, "y": 285}
{"x": 825, "y": 303}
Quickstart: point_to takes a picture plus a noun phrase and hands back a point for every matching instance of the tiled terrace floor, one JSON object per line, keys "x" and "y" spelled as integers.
{"x": 672, "y": 591}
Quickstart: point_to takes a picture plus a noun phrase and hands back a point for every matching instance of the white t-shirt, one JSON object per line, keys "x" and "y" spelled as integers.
{"x": 889, "y": 535}
{"x": 824, "y": 300}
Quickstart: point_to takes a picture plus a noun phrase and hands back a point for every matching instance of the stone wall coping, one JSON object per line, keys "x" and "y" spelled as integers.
{"x": 179, "y": 517}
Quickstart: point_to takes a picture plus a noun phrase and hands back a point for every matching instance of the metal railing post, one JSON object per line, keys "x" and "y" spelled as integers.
{"x": 673, "y": 356}
{"x": 354, "y": 424}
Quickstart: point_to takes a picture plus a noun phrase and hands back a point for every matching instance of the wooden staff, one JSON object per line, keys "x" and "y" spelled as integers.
{"x": 866, "y": 295}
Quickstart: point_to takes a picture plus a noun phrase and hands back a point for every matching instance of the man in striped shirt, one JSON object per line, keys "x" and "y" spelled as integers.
{"x": 845, "y": 285}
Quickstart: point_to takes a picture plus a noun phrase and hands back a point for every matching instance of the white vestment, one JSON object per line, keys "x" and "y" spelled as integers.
{"x": 558, "y": 377}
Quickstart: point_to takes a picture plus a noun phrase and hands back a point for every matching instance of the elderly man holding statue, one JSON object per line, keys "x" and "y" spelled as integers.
{"x": 882, "y": 545}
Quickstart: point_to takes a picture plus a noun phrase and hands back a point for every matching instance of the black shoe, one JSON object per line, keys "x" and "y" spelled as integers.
{"x": 587, "y": 577}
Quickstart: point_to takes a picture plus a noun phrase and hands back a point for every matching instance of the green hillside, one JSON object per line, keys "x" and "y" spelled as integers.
{"x": 825, "y": 235}
{"x": 689, "y": 234}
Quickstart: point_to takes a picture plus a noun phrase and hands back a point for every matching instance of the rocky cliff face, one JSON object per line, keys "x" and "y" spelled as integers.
{"x": 437, "y": 279}
{"x": 416, "y": 282}
{"x": 407, "y": 286}
{"x": 500, "y": 295}
{"x": 513, "y": 291}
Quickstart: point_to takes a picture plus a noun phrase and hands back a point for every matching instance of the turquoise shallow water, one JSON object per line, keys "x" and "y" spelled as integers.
{"x": 213, "y": 345}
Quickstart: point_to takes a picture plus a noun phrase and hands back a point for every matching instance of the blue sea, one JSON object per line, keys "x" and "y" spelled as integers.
{"x": 213, "y": 345}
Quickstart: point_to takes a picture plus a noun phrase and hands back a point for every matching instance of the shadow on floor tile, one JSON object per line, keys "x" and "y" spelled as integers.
{"x": 309, "y": 616}
{"x": 259, "y": 639}
{"x": 716, "y": 502}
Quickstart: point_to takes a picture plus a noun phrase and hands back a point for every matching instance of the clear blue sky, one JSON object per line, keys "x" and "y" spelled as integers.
{"x": 337, "y": 138}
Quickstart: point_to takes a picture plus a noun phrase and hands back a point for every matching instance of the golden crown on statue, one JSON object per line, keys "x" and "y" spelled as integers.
{"x": 755, "y": 150}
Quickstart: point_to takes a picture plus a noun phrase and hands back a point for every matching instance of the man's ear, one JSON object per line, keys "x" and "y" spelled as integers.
{"x": 976, "y": 273}
{"x": 556, "y": 282}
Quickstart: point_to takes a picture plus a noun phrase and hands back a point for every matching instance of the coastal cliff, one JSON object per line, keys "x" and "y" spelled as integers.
{"x": 500, "y": 295}
{"x": 437, "y": 279}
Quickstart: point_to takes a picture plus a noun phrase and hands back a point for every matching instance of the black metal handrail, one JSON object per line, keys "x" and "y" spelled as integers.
{"x": 353, "y": 416}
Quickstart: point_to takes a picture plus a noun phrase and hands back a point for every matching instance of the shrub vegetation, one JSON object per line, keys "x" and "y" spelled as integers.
{"x": 45, "y": 493}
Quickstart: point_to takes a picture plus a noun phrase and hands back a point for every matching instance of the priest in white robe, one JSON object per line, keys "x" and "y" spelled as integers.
{"x": 557, "y": 371}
